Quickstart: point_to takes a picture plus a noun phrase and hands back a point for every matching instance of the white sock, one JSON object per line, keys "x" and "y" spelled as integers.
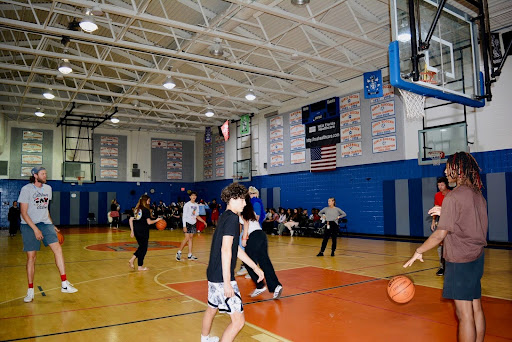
{"x": 189, "y": 255}
{"x": 179, "y": 252}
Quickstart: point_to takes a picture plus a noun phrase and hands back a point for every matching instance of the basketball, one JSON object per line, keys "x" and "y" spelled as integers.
{"x": 60, "y": 237}
{"x": 160, "y": 225}
{"x": 401, "y": 289}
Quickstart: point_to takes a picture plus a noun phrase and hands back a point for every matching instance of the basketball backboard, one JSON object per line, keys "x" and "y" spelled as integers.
{"x": 71, "y": 171}
{"x": 448, "y": 67}
{"x": 447, "y": 139}
{"x": 242, "y": 171}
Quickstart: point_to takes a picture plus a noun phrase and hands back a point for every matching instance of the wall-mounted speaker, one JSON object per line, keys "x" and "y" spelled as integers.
{"x": 264, "y": 165}
{"x": 135, "y": 172}
{"x": 135, "y": 166}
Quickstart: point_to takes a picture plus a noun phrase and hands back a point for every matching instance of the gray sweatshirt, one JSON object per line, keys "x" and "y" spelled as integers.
{"x": 332, "y": 214}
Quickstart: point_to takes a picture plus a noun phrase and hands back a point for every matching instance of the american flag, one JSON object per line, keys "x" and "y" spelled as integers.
{"x": 323, "y": 158}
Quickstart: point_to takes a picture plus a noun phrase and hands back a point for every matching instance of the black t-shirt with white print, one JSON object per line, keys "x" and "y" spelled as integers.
{"x": 228, "y": 225}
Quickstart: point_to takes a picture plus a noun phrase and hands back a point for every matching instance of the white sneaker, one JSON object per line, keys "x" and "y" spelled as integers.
{"x": 257, "y": 292}
{"x": 30, "y": 296}
{"x": 242, "y": 271}
{"x": 247, "y": 276}
{"x": 278, "y": 291}
{"x": 209, "y": 339}
{"x": 178, "y": 256}
{"x": 69, "y": 288}
{"x": 192, "y": 257}
{"x": 291, "y": 232}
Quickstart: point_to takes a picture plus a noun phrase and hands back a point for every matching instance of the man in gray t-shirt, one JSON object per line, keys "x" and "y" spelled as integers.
{"x": 37, "y": 226}
{"x": 331, "y": 215}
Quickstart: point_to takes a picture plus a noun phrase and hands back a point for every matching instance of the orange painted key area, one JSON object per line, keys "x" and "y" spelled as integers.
{"x": 326, "y": 305}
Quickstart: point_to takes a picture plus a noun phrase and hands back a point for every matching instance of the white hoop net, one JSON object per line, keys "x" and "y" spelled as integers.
{"x": 414, "y": 105}
{"x": 436, "y": 157}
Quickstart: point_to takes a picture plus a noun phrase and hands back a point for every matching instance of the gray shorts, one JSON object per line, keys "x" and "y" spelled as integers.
{"x": 217, "y": 300}
{"x": 30, "y": 243}
{"x": 191, "y": 228}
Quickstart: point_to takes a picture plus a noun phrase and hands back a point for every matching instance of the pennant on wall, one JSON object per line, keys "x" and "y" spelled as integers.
{"x": 225, "y": 130}
{"x": 323, "y": 158}
{"x": 208, "y": 135}
{"x": 372, "y": 84}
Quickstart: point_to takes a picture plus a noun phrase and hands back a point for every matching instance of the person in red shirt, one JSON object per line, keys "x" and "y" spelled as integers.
{"x": 442, "y": 185}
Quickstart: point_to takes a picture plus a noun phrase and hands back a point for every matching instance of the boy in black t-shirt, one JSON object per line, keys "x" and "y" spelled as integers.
{"x": 223, "y": 292}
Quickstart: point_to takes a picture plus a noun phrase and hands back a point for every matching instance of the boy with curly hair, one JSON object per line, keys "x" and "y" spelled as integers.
{"x": 223, "y": 292}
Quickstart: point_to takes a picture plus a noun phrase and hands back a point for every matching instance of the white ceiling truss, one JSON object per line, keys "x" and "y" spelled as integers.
{"x": 283, "y": 53}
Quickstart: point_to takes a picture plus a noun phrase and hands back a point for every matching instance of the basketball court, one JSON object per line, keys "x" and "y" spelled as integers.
{"x": 285, "y": 77}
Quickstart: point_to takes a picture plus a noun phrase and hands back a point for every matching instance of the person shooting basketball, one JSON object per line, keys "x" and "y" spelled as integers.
{"x": 463, "y": 228}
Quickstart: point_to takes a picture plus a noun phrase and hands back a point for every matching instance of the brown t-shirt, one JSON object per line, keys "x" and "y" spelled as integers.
{"x": 464, "y": 216}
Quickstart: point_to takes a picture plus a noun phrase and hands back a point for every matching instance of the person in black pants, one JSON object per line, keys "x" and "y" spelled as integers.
{"x": 14, "y": 219}
{"x": 255, "y": 242}
{"x": 139, "y": 225}
{"x": 331, "y": 214}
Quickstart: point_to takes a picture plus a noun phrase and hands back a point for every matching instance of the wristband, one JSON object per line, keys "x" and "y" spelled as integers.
{"x": 245, "y": 239}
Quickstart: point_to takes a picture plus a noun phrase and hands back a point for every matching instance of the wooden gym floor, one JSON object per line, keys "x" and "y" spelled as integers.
{"x": 341, "y": 298}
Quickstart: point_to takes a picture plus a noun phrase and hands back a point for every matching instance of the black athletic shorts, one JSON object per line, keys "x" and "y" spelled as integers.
{"x": 462, "y": 280}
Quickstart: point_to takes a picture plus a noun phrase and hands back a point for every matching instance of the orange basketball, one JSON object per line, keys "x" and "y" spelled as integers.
{"x": 160, "y": 225}
{"x": 401, "y": 289}
{"x": 60, "y": 237}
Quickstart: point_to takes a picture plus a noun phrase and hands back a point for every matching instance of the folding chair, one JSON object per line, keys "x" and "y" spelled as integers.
{"x": 91, "y": 217}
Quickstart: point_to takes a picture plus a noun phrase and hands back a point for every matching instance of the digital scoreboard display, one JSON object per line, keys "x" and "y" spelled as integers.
{"x": 322, "y": 110}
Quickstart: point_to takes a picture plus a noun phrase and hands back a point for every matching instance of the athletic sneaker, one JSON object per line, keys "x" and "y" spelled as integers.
{"x": 440, "y": 272}
{"x": 247, "y": 276}
{"x": 30, "y": 296}
{"x": 320, "y": 254}
{"x": 241, "y": 271}
{"x": 209, "y": 339}
{"x": 278, "y": 291}
{"x": 69, "y": 288}
{"x": 178, "y": 256}
{"x": 257, "y": 292}
{"x": 192, "y": 257}
{"x": 332, "y": 253}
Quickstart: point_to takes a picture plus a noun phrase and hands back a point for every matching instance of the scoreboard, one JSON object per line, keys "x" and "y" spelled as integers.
{"x": 322, "y": 110}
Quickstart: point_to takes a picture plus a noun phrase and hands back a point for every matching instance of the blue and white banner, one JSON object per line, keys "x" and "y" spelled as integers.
{"x": 372, "y": 84}
{"x": 208, "y": 135}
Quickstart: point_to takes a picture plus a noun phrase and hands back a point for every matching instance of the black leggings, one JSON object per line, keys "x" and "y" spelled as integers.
{"x": 332, "y": 232}
{"x": 257, "y": 250}
{"x": 142, "y": 237}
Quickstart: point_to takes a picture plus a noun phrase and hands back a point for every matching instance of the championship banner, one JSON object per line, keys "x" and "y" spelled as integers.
{"x": 383, "y": 109}
{"x": 497, "y": 56}
{"x": 350, "y": 118}
{"x": 208, "y": 135}
{"x": 276, "y": 147}
{"x": 245, "y": 124}
{"x": 352, "y": 149}
{"x": 323, "y": 133}
{"x": 384, "y": 126}
{"x": 372, "y": 84}
{"x": 32, "y": 147}
{"x": 31, "y": 135}
{"x": 384, "y": 144}
{"x": 388, "y": 93}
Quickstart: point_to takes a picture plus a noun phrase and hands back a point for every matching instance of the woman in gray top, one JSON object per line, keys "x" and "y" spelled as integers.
{"x": 331, "y": 214}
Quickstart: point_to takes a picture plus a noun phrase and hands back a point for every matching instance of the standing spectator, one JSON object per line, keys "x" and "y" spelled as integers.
{"x": 202, "y": 213}
{"x": 175, "y": 217}
{"x": 190, "y": 218}
{"x": 37, "y": 226}
{"x": 442, "y": 185}
{"x": 215, "y": 207}
{"x": 331, "y": 214}
{"x": 463, "y": 227}
{"x": 139, "y": 227}
{"x": 257, "y": 204}
{"x": 114, "y": 213}
{"x": 14, "y": 219}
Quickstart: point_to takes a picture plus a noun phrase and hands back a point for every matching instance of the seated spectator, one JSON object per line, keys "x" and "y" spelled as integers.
{"x": 270, "y": 224}
{"x": 281, "y": 220}
{"x": 292, "y": 222}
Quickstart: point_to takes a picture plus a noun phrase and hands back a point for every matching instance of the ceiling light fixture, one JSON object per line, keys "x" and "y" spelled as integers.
{"x": 300, "y": 2}
{"x": 48, "y": 94}
{"x": 250, "y": 95}
{"x": 209, "y": 113}
{"x": 114, "y": 120}
{"x": 65, "y": 67}
{"x": 216, "y": 49}
{"x": 169, "y": 83}
{"x": 39, "y": 112}
{"x": 88, "y": 24}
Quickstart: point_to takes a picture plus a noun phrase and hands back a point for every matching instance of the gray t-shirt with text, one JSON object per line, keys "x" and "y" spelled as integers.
{"x": 331, "y": 214}
{"x": 38, "y": 200}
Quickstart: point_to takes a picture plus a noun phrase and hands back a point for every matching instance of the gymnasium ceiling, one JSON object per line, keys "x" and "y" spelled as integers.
{"x": 284, "y": 53}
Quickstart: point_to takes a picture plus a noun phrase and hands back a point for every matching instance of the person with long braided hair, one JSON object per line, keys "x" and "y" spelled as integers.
{"x": 463, "y": 228}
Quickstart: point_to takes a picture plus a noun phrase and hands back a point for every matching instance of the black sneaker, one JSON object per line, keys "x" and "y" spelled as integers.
{"x": 320, "y": 254}
{"x": 440, "y": 272}
{"x": 332, "y": 253}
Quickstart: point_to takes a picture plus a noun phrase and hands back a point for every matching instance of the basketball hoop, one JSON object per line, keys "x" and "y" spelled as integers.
{"x": 235, "y": 179}
{"x": 428, "y": 76}
{"x": 436, "y": 157}
{"x": 80, "y": 180}
{"x": 414, "y": 105}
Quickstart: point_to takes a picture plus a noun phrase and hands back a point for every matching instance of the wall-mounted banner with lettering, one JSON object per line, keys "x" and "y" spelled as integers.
{"x": 323, "y": 133}
{"x": 276, "y": 121}
{"x": 351, "y": 133}
{"x": 388, "y": 93}
{"x": 208, "y": 151}
{"x": 208, "y": 162}
{"x": 178, "y": 155}
{"x": 175, "y": 145}
{"x": 245, "y": 124}
{"x": 219, "y": 172}
{"x": 32, "y": 135}
{"x": 298, "y": 143}
{"x": 384, "y": 144}
{"x": 298, "y": 157}
{"x": 382, "y": 110}
{"x": 219, "y": 149}
{"x": 174, "y": 175}
{"x": 31, "y": 159}
{"x": 296, "y": 117}
{"x": 106, "y": 173}
{"x": 208, "y": 173}
{"x": 372, "y": 84}
{"x": 276, "y": 147}
{"x": 277, "y": 160}
{"x": 176, "y": 165}
{"x": 350, "y": 102}
{"x": 383, "y": 127}
{"x": 26, "y": 171}
{"x": 208, "y": 135}
{"x": 219, "y": 161}
{"x": 352, "y": 149}
{"x": 32, "y": 147}
{"x": 155, "y": 143}
{"x": 276, "y": 134}
{"x": 108, "y": 162}
{"x": 109, "y": 151}
{"x": 352, "y": 117}
{"x": 106, "y": 140}
{"x": 297, "y": 130}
